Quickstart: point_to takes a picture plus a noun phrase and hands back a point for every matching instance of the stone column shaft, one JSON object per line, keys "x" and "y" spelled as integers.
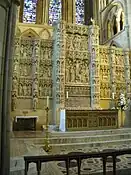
{"x": 68, "y": 11}
{"x": 7, "y": 19}
{"x": 113, "y": 69}
{"x": 42, "y": 12}
{"x": 127, "y": 72}
{"x": 94, "y": 66}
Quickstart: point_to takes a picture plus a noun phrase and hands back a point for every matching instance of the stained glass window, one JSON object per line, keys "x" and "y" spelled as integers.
{"x": 29, "y": 12}
{"x": 80, "y": 11}
{"x": 54, "y": 11}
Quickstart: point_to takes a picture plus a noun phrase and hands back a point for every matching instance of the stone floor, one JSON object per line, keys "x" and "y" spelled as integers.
{"x": 24, "y": 141}
{"x": 94, "y": 166}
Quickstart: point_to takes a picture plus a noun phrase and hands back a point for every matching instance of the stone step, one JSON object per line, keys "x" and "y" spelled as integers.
{"x": 90, "y": 133}
{"x": 87, "y": 139}
{"x": 91, "y": 146}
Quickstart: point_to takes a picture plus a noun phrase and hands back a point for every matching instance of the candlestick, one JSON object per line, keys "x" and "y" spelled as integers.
{"x": 67, "y": 94}
{"x": 47, "y": 146}
{"x": 47, "y": 101}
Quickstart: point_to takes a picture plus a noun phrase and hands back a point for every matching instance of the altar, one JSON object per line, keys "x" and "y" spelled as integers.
{"x": 25, "y": 123}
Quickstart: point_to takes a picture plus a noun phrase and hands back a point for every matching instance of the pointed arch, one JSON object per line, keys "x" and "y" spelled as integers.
{"x": 45, "y": 34}
{"x": 30, "y": 34}
{"x": 113, "y": 14}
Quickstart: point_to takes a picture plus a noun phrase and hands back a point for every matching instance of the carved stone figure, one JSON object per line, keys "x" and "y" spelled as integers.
{"x": 67, "y": 74}
{"x": 14, "y": 100}
{"x": 20, "y": 90}
{"x": 35, "y": 100}
{"x": 72, "y": 73}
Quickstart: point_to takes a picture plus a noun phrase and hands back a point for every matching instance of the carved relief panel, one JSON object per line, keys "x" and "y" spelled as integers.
{"x": 77, "y": 57}
{"x": 105, "y": 73}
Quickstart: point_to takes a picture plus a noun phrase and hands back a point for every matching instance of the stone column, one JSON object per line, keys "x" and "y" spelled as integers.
{"x": 35, "y": 65}
{"x": 42, "y": 12}
{"x": 94, "y": 66}
{"x": 59, "y": 69}
{"x": 127, "y": 72}
{"x": 7, "y": 22}
{"x": 112, "y": 75}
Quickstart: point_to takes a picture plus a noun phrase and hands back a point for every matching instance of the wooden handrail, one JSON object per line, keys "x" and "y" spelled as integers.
{"x": 74, "y": 156}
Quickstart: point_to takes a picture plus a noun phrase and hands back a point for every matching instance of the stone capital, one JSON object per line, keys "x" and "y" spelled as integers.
{"x": 7, "y": 3}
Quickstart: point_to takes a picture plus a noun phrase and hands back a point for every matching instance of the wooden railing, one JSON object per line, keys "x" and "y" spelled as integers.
{"x": 75, "y": 156}
{"x": 91, "y": 119}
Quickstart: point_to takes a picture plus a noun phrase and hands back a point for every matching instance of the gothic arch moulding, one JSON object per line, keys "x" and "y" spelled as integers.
{"x": 113, "y": 19}
{"x": 45, "y": 34}
{"x": 30, "y": 33}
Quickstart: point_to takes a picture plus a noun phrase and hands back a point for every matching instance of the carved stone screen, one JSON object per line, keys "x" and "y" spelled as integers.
{"x": 32, "y": 73}
{"x": 77, "y": 62}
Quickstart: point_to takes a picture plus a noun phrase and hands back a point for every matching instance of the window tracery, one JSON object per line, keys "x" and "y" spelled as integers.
{"x": 29, "y": 11}
{"x": 80, "y": 11}
{"x": 54, "y": 11}
{"x": 114, "y": 21}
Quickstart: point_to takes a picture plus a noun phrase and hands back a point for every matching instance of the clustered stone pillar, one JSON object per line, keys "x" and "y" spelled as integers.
{"x": 8, "y": 9}
{"x": 127, "y": 72}
{"x": 59, "y": 52}
{"x": 94, "y": 66}
{"x": 35, "y": 62}
{"x": 15, "y": 74}
{"x": 113, "y": 72}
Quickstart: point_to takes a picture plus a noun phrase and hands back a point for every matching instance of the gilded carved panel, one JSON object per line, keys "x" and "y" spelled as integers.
{"x": 32, "y": 70}
{"x": 105, "y": 73}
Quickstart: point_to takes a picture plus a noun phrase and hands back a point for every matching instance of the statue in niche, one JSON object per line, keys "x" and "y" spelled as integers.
{"x": 15, "y": 68}
{"x": 20, "y": 90}
{"x": 77, "y": 70}
{"x": 72, "y": 73}
{"x": 24, "y": 90}
{"x": 14, "y": 85}
{"x": 29, "y": 90}
{"x": 22, "y": 50}
{"x": 46, "y": 56}
{"x": 40, "y": 91}
{"x": 83, "y": 74}
{"x": 67, "y": 73}
{"x": 14, "y": 100}
{"x": 17, "y": 49}
{"x": 35, "y": 100}
{"x": 48, "y": 71}
{"x": 36, "y": 50}
{"x": 75, "y": 42}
